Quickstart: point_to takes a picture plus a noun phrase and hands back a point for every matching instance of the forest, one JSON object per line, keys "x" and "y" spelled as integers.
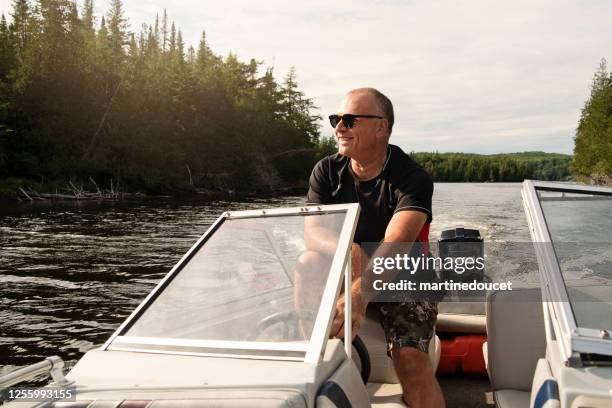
{"x": 593, "y": 141}
{"x": 82, "y": 98}
{"x": 509, "y": 167}
{"x": 87, "y": 103}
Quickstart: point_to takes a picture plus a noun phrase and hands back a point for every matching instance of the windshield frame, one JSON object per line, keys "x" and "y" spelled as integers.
{"x": 558, "y": 314}
{"x": 310, "y": 351}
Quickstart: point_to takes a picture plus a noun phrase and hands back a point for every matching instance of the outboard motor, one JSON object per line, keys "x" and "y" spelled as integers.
{"x": 461, "y": 244}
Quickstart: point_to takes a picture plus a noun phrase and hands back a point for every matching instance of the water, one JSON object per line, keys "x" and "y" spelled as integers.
{"x": 70, "y": 273}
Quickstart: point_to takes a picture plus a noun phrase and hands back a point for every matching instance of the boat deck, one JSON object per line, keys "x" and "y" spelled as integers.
{"x": 466, "y": 392}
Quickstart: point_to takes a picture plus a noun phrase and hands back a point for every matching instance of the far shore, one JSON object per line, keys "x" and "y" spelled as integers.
{"x": 18, "y": 194}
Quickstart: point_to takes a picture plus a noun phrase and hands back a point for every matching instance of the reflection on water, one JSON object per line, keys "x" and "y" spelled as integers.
{"x": 70, "y": 273}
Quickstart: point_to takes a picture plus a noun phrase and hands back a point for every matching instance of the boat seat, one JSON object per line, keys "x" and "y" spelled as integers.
{"x": 515, "y": 342}
{"x": 218, "y": 398}
{"x": 385, "y": 395}
{"x": 512, "y": 398}
{"x": 462, "y": 317}
{"x": 461, "y": 323}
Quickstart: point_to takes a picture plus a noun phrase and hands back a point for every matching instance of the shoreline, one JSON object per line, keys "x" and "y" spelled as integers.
{"x": 13, "y": 191}
{"x": 26, "y": 195}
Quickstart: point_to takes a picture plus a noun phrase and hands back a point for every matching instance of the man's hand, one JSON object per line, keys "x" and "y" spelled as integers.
{"x": 403, "y": 227}
{"x": 358, "y": 310}
{"x": 358, "y": 304}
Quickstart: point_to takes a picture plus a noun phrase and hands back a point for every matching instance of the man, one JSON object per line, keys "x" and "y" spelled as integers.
{"x": 395, "y": 198}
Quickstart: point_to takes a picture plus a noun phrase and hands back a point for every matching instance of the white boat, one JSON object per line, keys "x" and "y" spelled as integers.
{"x": 232, "y": 326}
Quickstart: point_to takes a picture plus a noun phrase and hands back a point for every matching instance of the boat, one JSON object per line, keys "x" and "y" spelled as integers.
{"x": 232, "y": 325}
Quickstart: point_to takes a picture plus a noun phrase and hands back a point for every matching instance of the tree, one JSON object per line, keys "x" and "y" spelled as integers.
{"x": 20, "y": 24}
{"x": 77, "y": 102}
{"x": 593, "y": 141}
{"x": 205, "y": 57}
{"x": 7, "y": 51}
{"x": 117, "y": 33}
{"x": 88, "y": 16}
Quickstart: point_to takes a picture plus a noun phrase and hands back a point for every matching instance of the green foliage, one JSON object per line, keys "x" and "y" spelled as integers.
{"x": 81, "y": 99}
{"x": 510, "y": 167}
{"x": 9, "y": 188}
{"x": 593, "y": 141}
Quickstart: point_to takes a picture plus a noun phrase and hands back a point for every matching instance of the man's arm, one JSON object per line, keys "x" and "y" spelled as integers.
{"x": 318, "y": 236}
{"x": 403, "y": 227}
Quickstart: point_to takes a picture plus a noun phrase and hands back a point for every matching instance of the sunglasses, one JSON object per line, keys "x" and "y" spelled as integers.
{"x": 348, "y": 119}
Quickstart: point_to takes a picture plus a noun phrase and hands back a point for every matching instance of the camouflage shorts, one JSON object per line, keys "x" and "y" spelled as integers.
{"x": 408, "y": 324}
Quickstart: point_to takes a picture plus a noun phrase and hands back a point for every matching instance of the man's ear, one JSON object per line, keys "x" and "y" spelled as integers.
{"x": 383, "y": 128}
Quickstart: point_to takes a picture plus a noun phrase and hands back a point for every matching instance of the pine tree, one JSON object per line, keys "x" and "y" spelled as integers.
{"x": 20, "y": 24}
{"x": 7, "y": 55}
{"x": 117, "y": 32}
{"x": 88, "y": 16}
{"x": 205, "y": 57}
{"x": 180, "y": 48}
{"x": 593, "y": 141}
{"x": 164, "y": 32}
{"x": 172, "y": 40}
{"x": 191, "y": 55}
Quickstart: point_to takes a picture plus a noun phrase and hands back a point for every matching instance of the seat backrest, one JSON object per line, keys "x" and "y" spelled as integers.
{"x": 343, "y": 389}
{"x": 515, "y": 337}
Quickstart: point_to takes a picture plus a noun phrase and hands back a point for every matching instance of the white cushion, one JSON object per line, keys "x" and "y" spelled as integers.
{"x": 511, "y": 399}
{"x": 515, "y": 338}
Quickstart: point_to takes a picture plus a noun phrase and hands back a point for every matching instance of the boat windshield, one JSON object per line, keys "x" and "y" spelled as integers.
{"x": 248, "y": 281}
{"x": 580, "y": 228}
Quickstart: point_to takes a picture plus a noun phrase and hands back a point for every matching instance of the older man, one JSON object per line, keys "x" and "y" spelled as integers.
{"x": 395, "y": 198}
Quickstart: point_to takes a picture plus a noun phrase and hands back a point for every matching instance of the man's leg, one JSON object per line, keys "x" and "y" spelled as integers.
{"x": 419, "y": 384}
{"x": 409, "y": 327}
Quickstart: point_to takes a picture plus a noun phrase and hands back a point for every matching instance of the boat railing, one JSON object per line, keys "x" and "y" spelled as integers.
{"x": 53, "y": 366}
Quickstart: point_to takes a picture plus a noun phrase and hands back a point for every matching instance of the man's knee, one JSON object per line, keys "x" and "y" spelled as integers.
{"x": 411, "y": 362}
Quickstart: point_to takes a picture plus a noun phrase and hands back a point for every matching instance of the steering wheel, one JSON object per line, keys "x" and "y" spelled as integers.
{"x": 290, "y": 319}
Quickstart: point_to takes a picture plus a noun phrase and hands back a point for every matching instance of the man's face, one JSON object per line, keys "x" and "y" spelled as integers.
{"x": 366, "y": 134}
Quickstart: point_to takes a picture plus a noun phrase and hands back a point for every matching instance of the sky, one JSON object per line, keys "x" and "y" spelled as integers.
{"x": 479, "y": 76}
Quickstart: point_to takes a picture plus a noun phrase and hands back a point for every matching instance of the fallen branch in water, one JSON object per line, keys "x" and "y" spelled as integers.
{"x": 96, "y": 185}
{"x": 87, "y": 196}
{"x": 25, "y": 194}
{"x": 75, "y": 192}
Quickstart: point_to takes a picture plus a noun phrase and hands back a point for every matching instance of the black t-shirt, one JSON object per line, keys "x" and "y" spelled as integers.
{"x": 401, "y": 185}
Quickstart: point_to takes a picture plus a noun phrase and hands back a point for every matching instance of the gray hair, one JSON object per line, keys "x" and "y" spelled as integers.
{"x": 383, "y": 103}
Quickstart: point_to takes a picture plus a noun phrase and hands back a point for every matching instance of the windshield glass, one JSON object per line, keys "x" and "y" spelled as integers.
{"x": 580, "y": 227}
{"x": 246, "y": 283}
